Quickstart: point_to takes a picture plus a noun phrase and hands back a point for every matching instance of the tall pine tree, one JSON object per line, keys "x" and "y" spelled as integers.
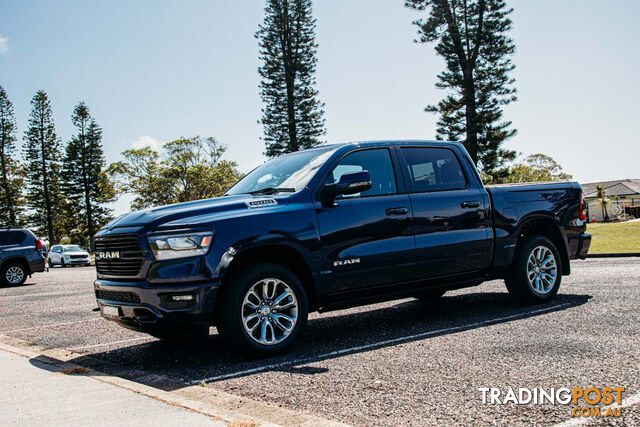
{"x": 43, "y": 155}
{"x": 293, "y": 115}
{"x": 82, "y": 174}
{"x": 471, "y": 36}
{"x": 11, "y": 196}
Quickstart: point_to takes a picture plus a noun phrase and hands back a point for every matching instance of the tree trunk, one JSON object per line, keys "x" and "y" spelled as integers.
{"x": 289, "y": 76}
{"x": 85, "y": 186}
{"x": 469, "y": 93}
{"x": 5, "y": 184}
{"x": 45, "y": 183}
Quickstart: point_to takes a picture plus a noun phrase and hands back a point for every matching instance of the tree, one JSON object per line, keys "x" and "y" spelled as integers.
{"x": 43, "y": 155}
{"x": 83, "y": 164}
{"x": 190, "y": 169}
{"x": 11, "y": 197}
{"x": 536, "y": 167}
{"x": 471, "y": 36}
{"x": 292, "y": 116}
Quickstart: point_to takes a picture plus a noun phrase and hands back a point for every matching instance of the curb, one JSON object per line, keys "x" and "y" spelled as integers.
{"x": 216, "y": 404}
{"x": 615, "y": 255}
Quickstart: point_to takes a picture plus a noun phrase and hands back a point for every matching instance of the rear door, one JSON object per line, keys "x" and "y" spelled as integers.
{"x": 367, "y": 238}
{"x": 451, "y": 213}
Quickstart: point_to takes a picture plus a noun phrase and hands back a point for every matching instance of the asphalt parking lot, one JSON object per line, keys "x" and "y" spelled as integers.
{"x": 401, "y": 362}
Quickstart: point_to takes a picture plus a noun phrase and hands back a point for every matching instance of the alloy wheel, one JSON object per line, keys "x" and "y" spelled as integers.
{"x": 542, "y": 270}
{"x": 14, "y": 275}
{"x": 269, "y": 311}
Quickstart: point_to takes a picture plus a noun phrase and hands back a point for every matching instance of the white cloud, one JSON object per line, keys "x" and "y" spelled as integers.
{"x": 146, "y": 141}
{"x": 4, "y": 44}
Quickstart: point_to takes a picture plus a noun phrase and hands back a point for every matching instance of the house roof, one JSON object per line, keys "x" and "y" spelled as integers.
{"x": 619, "y": 187}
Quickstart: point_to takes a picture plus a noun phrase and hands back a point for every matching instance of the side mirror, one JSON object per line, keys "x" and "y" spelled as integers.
{"x": 350, "y": 183}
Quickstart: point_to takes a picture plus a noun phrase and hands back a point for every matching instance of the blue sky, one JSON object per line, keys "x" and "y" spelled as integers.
{"x": 152, "y": 71}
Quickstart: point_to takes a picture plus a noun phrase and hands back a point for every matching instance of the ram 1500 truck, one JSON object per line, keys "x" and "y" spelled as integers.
{"x": 329, "y": 228}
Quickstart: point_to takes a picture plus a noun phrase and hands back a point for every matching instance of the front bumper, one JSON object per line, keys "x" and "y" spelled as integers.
{"x": 78, "y": 261}
{"x": 143, "y": 307}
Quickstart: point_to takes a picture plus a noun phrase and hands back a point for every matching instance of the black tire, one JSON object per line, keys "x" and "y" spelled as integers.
{"x": 231, "y": 310}
{"x": 13, "y": 273}
{"x": 518, "y": 284}
{"x": 431, "y": 295}
{"x": 62, "y": 264}
{"x": 49, "y": 263}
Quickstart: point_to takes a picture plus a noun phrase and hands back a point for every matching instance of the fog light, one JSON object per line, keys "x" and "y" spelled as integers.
{"x": 178, "y": 300}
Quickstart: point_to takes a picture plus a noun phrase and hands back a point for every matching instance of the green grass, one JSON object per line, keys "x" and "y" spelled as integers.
{"x": 614, "y": 237}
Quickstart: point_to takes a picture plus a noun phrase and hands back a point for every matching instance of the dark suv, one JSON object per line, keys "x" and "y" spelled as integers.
{"x": 21, "y": 254}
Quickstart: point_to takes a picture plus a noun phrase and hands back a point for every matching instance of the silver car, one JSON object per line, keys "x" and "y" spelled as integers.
{"x": 64, "y": 255}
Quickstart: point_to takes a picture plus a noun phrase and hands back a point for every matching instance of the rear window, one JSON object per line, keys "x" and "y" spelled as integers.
{"x": 8, "y": 238}
{"x": 433, "y": 169}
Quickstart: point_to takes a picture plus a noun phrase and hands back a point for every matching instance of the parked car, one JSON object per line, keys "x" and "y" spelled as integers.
{"x": 64, "y": 255}
{"x": 21, "y": 254}
{"x": 329, "y": 228}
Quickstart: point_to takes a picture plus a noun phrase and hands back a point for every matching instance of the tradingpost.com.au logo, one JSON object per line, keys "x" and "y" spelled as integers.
{"x": 584, "y": 402}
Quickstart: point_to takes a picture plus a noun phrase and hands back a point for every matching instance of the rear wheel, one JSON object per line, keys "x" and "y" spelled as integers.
{"x": 13, "y": 273}
{"x": 536, "y": 272}
{"x": 263, "y": 309}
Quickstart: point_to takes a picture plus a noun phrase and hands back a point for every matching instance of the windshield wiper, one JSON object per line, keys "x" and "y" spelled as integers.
{"x": 272, "y": 190}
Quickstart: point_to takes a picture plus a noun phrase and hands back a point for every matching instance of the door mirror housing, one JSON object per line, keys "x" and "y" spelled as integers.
{"x": 350, "y": 183}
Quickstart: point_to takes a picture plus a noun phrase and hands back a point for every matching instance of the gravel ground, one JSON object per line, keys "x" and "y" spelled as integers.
{"x": 403, "y": 362}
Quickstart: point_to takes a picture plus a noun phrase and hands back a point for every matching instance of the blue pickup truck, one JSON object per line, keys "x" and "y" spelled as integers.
{"x": 330, "y": 228}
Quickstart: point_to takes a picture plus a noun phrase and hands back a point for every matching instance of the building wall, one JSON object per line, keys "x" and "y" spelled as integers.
{"x": 594, "y": 208}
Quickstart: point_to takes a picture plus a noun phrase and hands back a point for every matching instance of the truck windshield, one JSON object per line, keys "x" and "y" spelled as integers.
{"x": 284, "y": 174}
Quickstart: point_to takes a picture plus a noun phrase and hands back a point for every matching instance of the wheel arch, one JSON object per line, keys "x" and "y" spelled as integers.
{"x": 19, "y": 259}
{"x": 278, "y": 253}
{"x": 547, "y": 226}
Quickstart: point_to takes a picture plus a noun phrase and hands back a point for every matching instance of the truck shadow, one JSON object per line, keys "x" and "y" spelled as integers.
{"x": 174, "y": 365}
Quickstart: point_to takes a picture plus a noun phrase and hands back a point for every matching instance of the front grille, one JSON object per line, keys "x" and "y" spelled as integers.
{"x": 130, "y": 259}
{"x": 118, "y": 296}
{"x": 77, "y": 256}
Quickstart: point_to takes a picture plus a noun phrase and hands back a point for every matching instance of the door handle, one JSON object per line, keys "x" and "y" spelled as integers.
{"x": 470, "y": 204}
{"x": 397, "y": 211}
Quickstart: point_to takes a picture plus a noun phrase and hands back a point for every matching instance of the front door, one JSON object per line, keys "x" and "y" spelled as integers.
{"x": 367, "y": 238}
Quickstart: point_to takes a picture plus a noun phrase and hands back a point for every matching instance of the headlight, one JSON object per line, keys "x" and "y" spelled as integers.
{"x": 171, "y": 246}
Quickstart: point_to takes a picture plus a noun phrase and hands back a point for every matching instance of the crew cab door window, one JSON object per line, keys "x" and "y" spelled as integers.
{"x": 377, "y": 162}
{"x": 433, "y": 169}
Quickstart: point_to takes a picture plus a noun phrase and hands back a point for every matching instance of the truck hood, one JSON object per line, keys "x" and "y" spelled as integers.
{"x": 198, "y": 213}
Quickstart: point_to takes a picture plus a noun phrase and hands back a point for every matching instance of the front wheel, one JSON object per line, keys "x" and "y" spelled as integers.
{"x": 263, "y": 310}
{"x": 536, "y": 272}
